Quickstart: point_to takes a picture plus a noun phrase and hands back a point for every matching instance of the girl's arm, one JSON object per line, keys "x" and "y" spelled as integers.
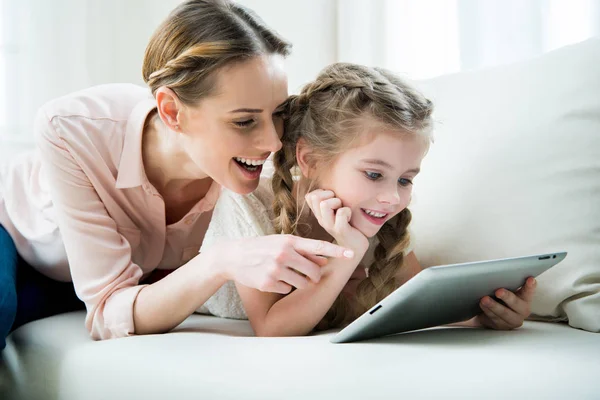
{"x": 299, "y": 312}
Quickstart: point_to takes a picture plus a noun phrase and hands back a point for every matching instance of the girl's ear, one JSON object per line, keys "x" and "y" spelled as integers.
{"x": 305, "y": 159}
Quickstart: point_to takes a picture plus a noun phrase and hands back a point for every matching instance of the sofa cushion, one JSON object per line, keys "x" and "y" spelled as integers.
{"x": 214, "y": 358}
{"x": 515, "y": 170}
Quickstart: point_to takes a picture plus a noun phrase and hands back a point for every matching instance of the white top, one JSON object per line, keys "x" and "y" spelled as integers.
{"x": 237, "y": 216}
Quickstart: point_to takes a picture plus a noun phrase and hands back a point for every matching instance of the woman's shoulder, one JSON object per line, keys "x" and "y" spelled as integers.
{"x": 108, "y": 102}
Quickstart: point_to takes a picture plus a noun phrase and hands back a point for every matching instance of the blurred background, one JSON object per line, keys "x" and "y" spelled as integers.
{"x": 51, "y": 47}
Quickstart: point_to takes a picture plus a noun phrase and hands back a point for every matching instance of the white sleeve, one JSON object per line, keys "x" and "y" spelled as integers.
{"x": 237, "y": 216}
{"x": 234, "y": 216}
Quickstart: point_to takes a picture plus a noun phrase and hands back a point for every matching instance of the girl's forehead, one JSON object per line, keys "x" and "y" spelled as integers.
{"x": 396, "y": 149}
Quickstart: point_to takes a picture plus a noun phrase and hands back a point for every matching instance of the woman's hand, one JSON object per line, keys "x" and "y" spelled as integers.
{"x": 275, "y": 263}
{"x": 335, "y": 219}
{"x": 510, "y": 316}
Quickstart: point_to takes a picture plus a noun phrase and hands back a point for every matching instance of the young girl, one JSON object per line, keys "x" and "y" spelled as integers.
{"x": 353, "y": 143}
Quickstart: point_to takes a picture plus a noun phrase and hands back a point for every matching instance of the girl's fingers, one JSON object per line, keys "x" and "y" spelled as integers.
{"x": 328, "y": 208}
{"x": 314, "y": 199}
{"x": 514, "y": 302}
{"x": 342, "y": 219}
{"x": 503, "y": 317}
{"x": 527, "y": 291}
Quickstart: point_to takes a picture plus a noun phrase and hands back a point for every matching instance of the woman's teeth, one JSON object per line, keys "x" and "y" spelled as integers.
{"x": 250, "y": 162}
{"x": 375, "y": 214}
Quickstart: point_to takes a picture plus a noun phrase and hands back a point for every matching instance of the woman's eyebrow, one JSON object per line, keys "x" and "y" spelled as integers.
{"x": 247, "y": 110}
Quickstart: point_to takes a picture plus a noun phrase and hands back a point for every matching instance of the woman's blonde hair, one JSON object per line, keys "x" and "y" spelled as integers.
{"x": 197, "y": 39}
{"x": 327, "y": 114}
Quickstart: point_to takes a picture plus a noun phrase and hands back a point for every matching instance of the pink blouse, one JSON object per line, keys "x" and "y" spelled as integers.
{"x": 80, "y": 207}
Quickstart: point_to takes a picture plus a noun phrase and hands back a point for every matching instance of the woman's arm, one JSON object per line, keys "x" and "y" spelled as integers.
{"x": 163, "y": 305}
{"x": 105, "y": 277}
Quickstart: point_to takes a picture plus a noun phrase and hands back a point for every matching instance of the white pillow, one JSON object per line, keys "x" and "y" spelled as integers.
{"x": 515, "y": 170}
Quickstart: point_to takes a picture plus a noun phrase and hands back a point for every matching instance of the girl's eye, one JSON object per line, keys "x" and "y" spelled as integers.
{"x": 244, "y": 124}
{"x": 373, "y": 175}
{"x": 404, "y": 182}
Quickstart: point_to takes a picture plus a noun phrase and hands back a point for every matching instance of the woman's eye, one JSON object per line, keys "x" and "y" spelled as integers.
{"x": 404, "y": 182}
{"x": 373, "y": 175}
{"x": 245, "y": 123}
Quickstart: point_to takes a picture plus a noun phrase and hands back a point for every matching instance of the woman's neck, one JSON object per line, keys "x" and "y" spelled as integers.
{"x": 168, "y": 168}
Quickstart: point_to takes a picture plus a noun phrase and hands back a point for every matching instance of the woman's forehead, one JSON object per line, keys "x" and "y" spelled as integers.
{"x": 257, "y": 83}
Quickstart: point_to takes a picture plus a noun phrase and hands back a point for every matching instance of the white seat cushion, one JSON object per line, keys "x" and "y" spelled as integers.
{"x": 515, "y": 170}
{"x": 213, "y": 358}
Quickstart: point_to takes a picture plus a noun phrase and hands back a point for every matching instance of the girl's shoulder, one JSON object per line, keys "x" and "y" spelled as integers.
{"x": 251, "y": 211}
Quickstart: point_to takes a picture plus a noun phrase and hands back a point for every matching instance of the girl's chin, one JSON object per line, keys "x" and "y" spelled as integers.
{"x": 369, "y": 233}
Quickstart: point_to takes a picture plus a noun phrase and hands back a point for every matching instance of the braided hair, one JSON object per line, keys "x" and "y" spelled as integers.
{"x": 197, "y": 39}
{"x": 326, "y": 114}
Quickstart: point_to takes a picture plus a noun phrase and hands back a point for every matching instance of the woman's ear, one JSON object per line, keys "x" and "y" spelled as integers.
{"x": 169, "y": 108}
{"x": 304, "y": 158}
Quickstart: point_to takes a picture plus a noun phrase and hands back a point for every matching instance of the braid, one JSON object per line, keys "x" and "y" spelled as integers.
{"x": 325, "y": 84}
{"x": 193, "y": 58}
{"x": 389, "y": 257}
{"x": 282, "y": 183}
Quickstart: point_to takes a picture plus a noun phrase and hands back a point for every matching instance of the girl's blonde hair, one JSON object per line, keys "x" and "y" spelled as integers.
{"x": 327, "y": 114}
{"x": 197, "y": 39}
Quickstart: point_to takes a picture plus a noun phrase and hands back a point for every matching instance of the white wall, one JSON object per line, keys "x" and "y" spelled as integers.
{"x": 60, "y": 46}
{"x": 64, "y": 45}
{"x": 311, "y": 26}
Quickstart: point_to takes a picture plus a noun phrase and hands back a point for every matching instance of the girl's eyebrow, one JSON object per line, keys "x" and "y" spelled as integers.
{"x": 376, "y": 161}
{"x": 381, "y": 163}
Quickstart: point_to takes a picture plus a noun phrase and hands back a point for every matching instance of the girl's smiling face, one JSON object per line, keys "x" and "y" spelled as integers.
{"x": 375, "y": 178}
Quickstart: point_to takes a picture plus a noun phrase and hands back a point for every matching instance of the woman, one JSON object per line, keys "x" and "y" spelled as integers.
{"x": 123, "y": 183}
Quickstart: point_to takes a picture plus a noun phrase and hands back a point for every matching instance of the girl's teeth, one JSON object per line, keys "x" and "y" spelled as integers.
{"x": 374, "y": 214}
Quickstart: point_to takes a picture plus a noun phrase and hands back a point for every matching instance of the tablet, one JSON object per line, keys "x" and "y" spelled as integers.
{"x": 443, "y": 295}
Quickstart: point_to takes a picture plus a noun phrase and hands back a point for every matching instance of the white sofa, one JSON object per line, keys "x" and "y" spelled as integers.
{"x": 515, "y": 169}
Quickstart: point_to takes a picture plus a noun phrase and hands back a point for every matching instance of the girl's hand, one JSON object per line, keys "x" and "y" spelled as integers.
{"x": 275, "y": 263}
{"x": 335, "y": 219}
{"x": 517, "y": 309}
